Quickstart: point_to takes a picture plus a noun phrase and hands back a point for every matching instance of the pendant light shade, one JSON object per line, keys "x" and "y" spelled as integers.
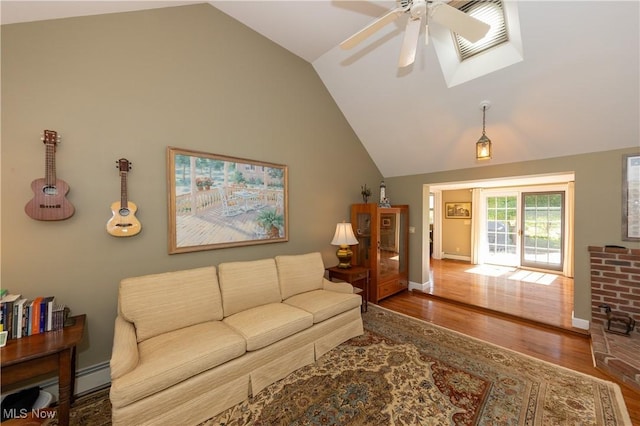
{"x": 483, "y": 146}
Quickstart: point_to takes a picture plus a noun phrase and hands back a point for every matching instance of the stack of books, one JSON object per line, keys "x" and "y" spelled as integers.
{"x": 21, "y": 317}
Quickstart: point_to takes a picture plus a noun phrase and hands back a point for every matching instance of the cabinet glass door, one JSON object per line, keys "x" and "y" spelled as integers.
{"x": 403, "y": 238}
{"x": 392, "y": 244}
{"x": 363, "y": 234}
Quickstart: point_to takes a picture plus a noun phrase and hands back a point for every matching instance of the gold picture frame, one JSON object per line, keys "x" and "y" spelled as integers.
{"x": 457, "y": 210}
{"x": 216, "y": 201}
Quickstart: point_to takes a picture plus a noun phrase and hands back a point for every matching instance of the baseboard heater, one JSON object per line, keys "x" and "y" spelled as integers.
{"x": 88, "y": 380}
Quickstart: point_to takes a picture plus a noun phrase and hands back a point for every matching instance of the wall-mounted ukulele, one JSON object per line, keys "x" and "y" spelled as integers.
{"x": 123, "y": 223}
{"x": 49, "y": 202}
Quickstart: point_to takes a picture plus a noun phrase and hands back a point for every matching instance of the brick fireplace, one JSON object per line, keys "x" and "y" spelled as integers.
{"x": 615, "y": 281}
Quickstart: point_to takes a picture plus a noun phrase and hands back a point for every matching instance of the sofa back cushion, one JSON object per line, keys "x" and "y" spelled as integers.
{"x": 164, "y": 302}
{"x": 245, "y": 285}
{"x": 300, "y": 273}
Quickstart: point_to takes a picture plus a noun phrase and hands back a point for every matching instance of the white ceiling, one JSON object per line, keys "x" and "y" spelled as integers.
{"x": 576, "y": 91}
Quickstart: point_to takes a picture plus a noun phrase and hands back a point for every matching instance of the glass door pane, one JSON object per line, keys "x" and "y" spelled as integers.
{"x": 363, "y": 234}
{"x": 389, "y": 244}
{"x": 543, "y": 229}
{"x": 403, "y": 242}
{"x": 502, "y": 230}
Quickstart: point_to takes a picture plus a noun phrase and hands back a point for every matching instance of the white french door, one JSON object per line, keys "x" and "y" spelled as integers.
{"x": 543, "y": 229}
{"x": 520, "y": 228}
{"x": 500, "y": 227}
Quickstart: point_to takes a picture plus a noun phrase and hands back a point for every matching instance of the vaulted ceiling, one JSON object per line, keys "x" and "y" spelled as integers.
{"x": 576, "y": 90}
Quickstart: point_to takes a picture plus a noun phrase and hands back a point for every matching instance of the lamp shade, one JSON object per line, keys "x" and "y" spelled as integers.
{"x": 344, "y": 238}
{"x": 344, "y": 235}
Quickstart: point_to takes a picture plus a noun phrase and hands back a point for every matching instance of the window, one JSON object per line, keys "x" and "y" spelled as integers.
{"x": 504, "y": 50}
{"x": 490, "y": 12}
{"x": 431, "y": 207}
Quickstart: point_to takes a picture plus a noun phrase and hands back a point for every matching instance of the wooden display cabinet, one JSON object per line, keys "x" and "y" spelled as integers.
{"x": 383, "y": 247}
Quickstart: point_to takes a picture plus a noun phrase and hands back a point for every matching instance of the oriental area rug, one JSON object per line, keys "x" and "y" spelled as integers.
{"x": 404, "y": 371}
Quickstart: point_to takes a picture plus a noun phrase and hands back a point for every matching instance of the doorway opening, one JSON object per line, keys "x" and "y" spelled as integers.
{"x": 520, "y": 224}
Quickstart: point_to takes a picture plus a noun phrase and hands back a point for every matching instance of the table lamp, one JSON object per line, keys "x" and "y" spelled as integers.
{"x": 344, "y": 238}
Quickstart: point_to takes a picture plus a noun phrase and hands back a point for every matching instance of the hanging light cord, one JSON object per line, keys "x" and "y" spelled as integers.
{"x": 484, "y": 108}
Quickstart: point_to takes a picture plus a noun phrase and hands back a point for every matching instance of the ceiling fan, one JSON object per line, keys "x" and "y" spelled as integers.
{"x": 457, "y": 21}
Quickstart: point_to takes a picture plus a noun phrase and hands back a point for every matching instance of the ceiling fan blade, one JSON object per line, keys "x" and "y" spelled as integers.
{"x": 426, "y": 30}
{"x": 370, "y": 29}
{"x": 410, "y": 42}
{"x": 459, "y": 22}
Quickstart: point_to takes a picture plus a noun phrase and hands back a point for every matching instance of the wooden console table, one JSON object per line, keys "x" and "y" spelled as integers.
{"x": 357, "y": 276}
{"x": 31, "y": 356}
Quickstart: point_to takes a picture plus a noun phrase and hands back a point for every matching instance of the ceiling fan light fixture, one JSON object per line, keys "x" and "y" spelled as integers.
{"x": 436, "y": 10}
{"x": 418, "y": 9}
{"x": 483, "y": 146}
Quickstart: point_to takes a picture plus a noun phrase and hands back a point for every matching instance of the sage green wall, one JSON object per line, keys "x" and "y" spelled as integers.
{"x": 129, "y": 85}
{"x": 457, "y": 232}
{"x": 598, "y": 207}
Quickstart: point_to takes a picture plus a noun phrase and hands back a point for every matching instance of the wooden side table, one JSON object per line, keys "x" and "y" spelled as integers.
{"x": 357, "y": 276}
{"x": 42, "y": 353}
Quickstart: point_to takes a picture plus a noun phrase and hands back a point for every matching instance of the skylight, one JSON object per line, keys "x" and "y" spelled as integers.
{"x": 487, "y": 11}
{"x": 504, "y": 49}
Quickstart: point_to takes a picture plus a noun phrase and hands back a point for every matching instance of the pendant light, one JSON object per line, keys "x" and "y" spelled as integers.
{"x": 483, "y": 146}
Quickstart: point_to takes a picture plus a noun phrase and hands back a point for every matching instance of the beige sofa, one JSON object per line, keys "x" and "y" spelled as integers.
{"x": 190, "y": 344}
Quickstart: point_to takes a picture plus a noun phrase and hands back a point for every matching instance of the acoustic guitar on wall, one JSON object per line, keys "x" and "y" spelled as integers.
{"x": 123, "y": 223}
{"x": 49, "y": 200}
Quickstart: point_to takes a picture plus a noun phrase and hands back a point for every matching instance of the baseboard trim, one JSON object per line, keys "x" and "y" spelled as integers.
{"x": 580, "y": 323}
{"x": 421, "y": 287}
{"x": 456, "y": 257}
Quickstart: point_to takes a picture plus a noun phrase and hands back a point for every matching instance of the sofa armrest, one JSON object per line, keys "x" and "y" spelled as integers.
{"x": 124, "y": 354}
{"x": 340, "y": 287}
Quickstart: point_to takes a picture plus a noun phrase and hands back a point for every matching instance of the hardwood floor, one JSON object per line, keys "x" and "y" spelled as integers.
{"x": 542, "y": 297}
{"x": 551, "y": 344}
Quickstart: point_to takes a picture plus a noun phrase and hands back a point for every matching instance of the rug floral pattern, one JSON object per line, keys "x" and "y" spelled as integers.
{"x": 404, "y": 371}
{"x": 369, "y": 381}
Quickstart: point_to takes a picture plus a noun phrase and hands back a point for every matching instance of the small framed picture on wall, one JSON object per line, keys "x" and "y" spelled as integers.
{"x": 457, "y": 210}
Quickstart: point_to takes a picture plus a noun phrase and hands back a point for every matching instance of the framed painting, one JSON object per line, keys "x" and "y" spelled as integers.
{"x": 217, "y": 201}
{"x": 457, "y": 210}
{"x": 631, "y": 197}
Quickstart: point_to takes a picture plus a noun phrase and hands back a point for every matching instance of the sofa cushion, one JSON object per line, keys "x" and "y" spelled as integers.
{"x": 324, "y": 304}
{"x": 300, "y": 273}
{"x": 245, "y": 285}
{"x": 150, "y": 301}
{"x": 266, "y": 324}
{"x": 173, "y": 357}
